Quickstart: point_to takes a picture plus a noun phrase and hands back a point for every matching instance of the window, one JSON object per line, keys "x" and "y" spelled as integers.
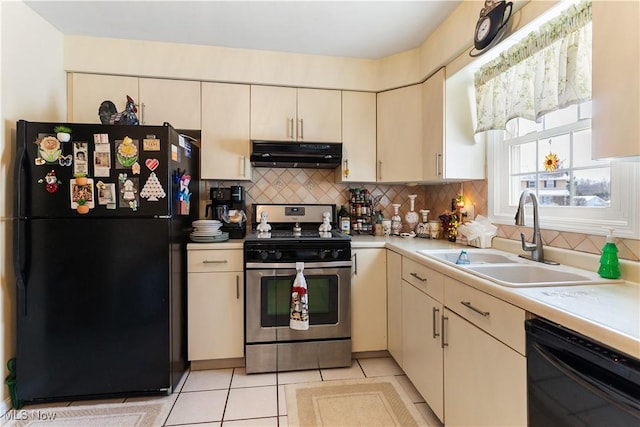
{"x": 580, "y": 194}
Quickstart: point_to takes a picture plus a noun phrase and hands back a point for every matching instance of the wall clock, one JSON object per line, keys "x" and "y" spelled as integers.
{"x": 491, "y": 26}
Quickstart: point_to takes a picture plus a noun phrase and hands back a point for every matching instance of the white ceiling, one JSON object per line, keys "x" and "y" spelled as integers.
{"x": 360, "y": 29}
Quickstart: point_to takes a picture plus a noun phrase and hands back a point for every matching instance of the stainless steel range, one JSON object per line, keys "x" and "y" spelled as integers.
{"x": 270, "y": 269}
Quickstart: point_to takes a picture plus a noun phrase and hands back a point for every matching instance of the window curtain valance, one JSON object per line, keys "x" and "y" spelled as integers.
{"x": 550, "y": 69}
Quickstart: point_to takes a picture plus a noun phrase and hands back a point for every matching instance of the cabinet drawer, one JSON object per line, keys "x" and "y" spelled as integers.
{"x": 427, "y": 280}
{"x": 496, "y": 317}
{"x": 214, "y": 260}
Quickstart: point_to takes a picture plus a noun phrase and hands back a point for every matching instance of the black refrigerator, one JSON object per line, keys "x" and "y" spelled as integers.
{"x": 100, "y": 231}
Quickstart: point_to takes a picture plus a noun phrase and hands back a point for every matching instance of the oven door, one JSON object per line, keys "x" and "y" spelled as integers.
{"x": 268, "y": 299}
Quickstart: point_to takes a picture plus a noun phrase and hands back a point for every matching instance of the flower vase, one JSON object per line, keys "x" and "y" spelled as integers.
{"x": 412, "y": 217}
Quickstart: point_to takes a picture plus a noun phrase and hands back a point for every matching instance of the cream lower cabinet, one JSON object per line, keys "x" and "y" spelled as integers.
{"x": 485, "y": 378}
{"x": 369, "y": 300}
{"x": 215, "y": 304}
{"x": 226, "y": 144}
{"x": 422, "y": 356}
{"x": 394, "y": 306}
{"x": 157, "y": 100}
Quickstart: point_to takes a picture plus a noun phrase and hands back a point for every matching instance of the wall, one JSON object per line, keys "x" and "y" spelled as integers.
{"x": 33, "y": 88}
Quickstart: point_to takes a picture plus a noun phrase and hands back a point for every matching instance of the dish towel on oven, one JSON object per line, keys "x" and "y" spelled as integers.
{"x": 299, "y": 313}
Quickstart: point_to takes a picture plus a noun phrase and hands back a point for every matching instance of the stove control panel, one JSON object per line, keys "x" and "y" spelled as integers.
{"x": 296, "y": 254}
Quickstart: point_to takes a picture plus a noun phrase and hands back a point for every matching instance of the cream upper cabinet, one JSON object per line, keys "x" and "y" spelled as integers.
{"x": 399, "y": 142}
{"x": 157, "y": 100}
{"x": 319, "y": 115}
{"x": 358, "y": 138}
{"x": 451, "y": 151}
{"x": 616, "y": 81}
{"x": 173, "y": 101}
{"x": 225, "y": 138}
{"x": 85, "y": 93}
{"x": 290, "y": 114}
{"x": 369, "y": 300}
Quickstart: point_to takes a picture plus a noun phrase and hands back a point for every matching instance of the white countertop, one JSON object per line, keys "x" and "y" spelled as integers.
{"x": 608, "y": 313}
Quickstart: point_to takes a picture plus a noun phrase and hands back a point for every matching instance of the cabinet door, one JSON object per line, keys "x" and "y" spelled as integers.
{"x": 225, "y": 131}
{"x": 87, "y": 91}
{"x": 400, "y": 135}
{"x": 369, "y": 300}
{"x": 273, "y": 113}
{"x": 173, "y": 101}
{"x": 319, "y": 115}
{"x": 215, "y": 315}
{"x": 433, "y": 129}
{"x": 616, "y": 85}
{"x": 394, "y": 306}
{"x": 486, "y": 381}
{"x": 358, "y": 137}
{"x": 421, "y": 346}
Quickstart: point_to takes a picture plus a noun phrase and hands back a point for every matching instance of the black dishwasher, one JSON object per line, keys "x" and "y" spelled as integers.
{"x": 574, "y": 381}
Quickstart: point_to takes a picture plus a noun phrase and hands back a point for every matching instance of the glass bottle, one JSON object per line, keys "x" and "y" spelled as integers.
{"x": 412, "y": 217}
{"x": 396, "y": 221}
{"x": 345, "y": 220}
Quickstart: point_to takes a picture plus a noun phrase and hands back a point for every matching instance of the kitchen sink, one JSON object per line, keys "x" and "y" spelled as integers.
{"x": 510, "y": 270}
{"x": 529, "y": 275}
{"x": 476, "y": 256}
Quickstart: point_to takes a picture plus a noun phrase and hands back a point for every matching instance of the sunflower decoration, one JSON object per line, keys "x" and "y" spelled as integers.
{"x": 551, "y": 161}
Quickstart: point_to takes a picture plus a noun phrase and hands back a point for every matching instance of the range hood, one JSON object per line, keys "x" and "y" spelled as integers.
{"x": 279, "y": 154}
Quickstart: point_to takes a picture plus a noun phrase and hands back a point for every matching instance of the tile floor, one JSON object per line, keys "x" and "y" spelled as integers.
{"x": 230, "y": 397}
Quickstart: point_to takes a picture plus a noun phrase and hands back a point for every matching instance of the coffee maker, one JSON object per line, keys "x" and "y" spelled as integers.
{"x": 228, "y": 206}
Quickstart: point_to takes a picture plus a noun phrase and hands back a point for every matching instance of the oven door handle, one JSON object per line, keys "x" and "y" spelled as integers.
{"x": 292, "y": 265}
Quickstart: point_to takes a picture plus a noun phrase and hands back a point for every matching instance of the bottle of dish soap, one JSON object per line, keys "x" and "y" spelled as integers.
{"x": 609, "y": 268}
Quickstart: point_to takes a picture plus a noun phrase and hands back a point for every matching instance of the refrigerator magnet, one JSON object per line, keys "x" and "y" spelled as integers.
{"x": 80, "y": 164}
{"x": 129, "y": 193}
{"x": 65, "y": 160}
{"x": 127, "y": 152}
{"x": 106, "y": 194}
{"x": 82, "y": 196}
{"x": 100, "y": 138}
{"x": 151, "y": 144}
{"x": 101, "y": 160}
{"x": 49, "y": 149}
{"x": 51, "y": 182}
{"x": 152, "y": 189}
{"x": 135, "y": 168}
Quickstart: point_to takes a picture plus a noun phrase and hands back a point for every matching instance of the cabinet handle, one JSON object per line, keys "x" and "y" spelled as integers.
{"x": 379, "y": 169}
{"x": 244, "y": 167}
{"x": 438, "y": 157}
{"x": 443, "y": 340}
{"x": 436, "y": 310}
{"x": 291, "y": 128}
{"x": 346, "y": 168}
{"x": 301, "y": 129}
{"x": 355, "y": 264}
{"x": 214, "y": 261}
{"x": 142, "y": 113}
{"x": 237, "y": 287}
{"x": 477, "y": 310}
{"x": 422, "y": 279}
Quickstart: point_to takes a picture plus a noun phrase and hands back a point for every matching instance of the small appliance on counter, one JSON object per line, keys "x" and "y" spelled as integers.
{"x": 228, "y": 206}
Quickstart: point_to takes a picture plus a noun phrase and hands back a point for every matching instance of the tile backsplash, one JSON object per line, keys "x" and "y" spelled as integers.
{"x": 278, "y": 185}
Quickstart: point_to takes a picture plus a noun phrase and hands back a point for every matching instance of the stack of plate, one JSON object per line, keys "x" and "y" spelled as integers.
{"x": 208, "y": 231}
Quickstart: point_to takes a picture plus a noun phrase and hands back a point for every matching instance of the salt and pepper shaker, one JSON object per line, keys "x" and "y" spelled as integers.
{"x": 396, "y": 221}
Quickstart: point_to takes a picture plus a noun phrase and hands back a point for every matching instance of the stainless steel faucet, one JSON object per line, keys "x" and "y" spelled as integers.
{"x": 535, "y": 247}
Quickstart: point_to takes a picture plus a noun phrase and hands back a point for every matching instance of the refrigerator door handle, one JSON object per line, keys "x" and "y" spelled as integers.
{"x": 19, "y": 222}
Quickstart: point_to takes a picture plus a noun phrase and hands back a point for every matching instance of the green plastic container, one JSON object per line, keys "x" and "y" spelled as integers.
{"x": 609, "y": 264}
